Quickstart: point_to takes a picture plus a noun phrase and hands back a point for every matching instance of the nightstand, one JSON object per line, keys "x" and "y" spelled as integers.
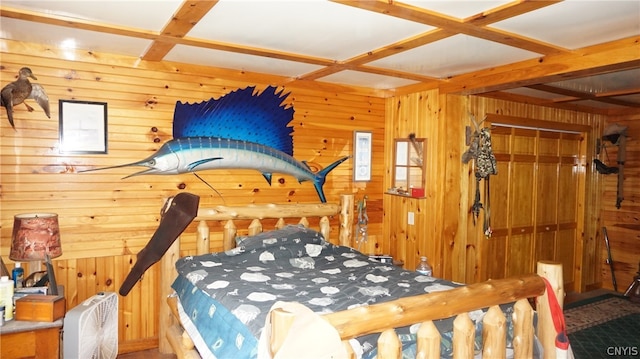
{"x": 22, "y": 339}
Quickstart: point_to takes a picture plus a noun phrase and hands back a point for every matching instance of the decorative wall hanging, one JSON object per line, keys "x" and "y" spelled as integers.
{"x": 83, "y": 127}
{"x": 362, "y": 145}
{"x": 617, "y": 135}
{"x": 481, "y": 151}
{"x": 239, "y": 130}
{"x": 17, "y": 91}
{"x": 363, "y": 220}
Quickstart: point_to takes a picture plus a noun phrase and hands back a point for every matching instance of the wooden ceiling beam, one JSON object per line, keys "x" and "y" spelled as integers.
{"x": 507, "y": 96}
{"x": 75, "y": 23}
{"x": 573, "y": 95}
{"x": 468, "y": 27}
{"x": 187, "y": 16}
{"x": 508, "y": 11}
{"x": 355, "y": 63}
{"x": 613, "y": 56}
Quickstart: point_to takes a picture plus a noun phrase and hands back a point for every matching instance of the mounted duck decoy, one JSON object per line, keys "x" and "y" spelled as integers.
{"x": 18, "y": 91}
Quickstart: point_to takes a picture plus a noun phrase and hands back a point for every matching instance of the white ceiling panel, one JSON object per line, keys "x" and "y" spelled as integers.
{"x": 68, "y": 38}
{"x": 608, "y": 82}
{"x": 143, "y": 14}
{"x": 243, "y": 62}
{"x": 578, "y": 23}
{"x": 383, "y": 45}
{"x": 313, "y": 28}
{"x": 635, "y": 98}
{"x": 364, "y": 79}
{"x": 458, "y": 8}
{"x": 596, "y": 104}
{"x": 525, "y": 91}
{"x": 452, "y": 56}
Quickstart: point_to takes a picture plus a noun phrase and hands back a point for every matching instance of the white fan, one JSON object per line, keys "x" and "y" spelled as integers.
{"x": 91, "y": 328}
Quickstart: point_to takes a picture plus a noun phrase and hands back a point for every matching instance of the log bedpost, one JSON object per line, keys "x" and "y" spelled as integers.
{"x": 463, "y": 337}
{"x": 167, "y": 276}
{"x": 229, "y": 235}
{"x": 325, "y": 227}
{"x": 428, "y": 341}
{"x": 281, "y": 322}
{"x": 522, "y": 330}
{"x": 346, "y": 219}
{"x": 552, "y": 271}
{"x": 494, "y": 334}
{"x": 202, "y": 240}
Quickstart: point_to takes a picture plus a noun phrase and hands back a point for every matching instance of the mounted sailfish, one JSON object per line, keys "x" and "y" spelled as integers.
{"x": 240, "y": 130}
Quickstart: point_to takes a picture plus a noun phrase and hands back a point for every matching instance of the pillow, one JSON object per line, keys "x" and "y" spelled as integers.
{"x": 287, "y": 232}
{"x": 292, "y": 241}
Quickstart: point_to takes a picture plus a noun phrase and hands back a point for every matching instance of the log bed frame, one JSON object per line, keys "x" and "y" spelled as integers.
{"x": 383, "y": 317}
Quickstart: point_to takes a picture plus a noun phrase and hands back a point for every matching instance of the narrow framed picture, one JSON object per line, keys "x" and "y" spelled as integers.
{"x": 362, "y": 146}
{"x": 83, "y": 127}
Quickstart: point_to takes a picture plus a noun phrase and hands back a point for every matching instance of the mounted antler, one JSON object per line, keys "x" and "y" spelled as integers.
{"x": 472, "y": 139}
{"x": 417, "y": 147}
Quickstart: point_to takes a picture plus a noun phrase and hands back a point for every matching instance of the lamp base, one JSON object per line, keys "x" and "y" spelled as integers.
{"x": 34, "y": 266}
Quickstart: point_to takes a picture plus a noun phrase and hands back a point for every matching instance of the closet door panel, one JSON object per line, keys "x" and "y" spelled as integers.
{"x": 499, "y": 186}
{"x": 496, "y": 259}
{"x": 565, "y": 254}
{"x": 520, "y": 259}
{"x": 568, "y": 193}
{"x": 521, "y": 195}
{"x": 545, "y": 246}
{"x": 547, "y": 194}
{"x": 524, "y": 142}
{"x": 548, "y": 143}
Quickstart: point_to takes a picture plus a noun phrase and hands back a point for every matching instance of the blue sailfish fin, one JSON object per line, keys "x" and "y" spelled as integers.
{"x": 321, "y": 177}
{"x": 192, "y": 166}
{"x": 267, "y": 176}
{"x": 244, "y": 114}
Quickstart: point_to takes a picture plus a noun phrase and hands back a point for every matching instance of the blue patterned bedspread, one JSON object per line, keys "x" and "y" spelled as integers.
{"x": 227, "y": 295}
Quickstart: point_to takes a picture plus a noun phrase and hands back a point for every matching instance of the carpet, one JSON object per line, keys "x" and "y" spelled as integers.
{"x": 607, "y": 326}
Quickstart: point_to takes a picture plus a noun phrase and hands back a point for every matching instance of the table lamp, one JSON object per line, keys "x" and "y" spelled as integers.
{"x": 36, "y": 237}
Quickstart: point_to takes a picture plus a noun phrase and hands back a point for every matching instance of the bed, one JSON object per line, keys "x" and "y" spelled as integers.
{"x": 245, "y": 300}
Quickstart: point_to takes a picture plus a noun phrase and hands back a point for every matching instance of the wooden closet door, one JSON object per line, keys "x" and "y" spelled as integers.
{"x": 547, "y": 195}
{"x": 522, "y": 202}
{"x": 495, "y": 247}
{"x": 534, "y": 201}
{"x": 568, "y": 203}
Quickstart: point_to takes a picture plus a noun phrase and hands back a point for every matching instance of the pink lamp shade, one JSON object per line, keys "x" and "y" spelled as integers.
{"x": 34, "y": 235}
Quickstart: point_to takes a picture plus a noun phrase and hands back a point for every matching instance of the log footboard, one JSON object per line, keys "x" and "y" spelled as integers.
{"x": 384, "y": 317}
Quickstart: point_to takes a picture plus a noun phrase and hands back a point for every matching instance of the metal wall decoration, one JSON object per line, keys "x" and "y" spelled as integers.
{"x": 83, "y": 127}
{"x": 362, "y": 148}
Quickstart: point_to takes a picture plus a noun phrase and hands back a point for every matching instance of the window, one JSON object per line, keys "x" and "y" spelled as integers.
{"x": 409, "y": 167}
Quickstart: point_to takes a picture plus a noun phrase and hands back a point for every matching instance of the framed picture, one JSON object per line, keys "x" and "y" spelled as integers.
{"x": 83, "y": 127}
{"x": 362, "y": 145}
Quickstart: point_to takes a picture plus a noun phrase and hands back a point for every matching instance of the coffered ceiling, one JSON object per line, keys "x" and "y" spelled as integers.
{"x": 580, "y": 54}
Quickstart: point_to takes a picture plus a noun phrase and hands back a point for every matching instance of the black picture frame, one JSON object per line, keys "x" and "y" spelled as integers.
{"x": 83, "y": 127}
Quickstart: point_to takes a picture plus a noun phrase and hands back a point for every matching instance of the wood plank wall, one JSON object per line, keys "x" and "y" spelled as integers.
{"x": 444, "y": 229}
{"x": 419, "y": 114}
{"x": 106, "y": 220}
{"x": 588, "y": 245}
{"x": 623, "y": 224}
{"x": 587, "y": 266}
